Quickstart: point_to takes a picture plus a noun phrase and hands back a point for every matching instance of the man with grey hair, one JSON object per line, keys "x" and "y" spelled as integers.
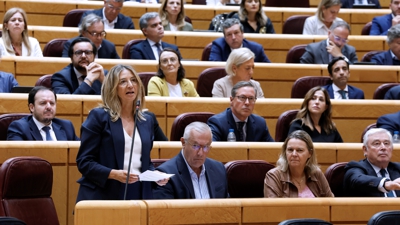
{"x": 239, "y": 117}
{"x": 392, "y": 56}
{"x": 374, "y": 176}
{"x": 92, "y": 27}
{"x": 111, "y": 16}
{"x": 335, "y": 46}
{"x": 151, "y": 26}
{"x": 233, "y": 39}
{"x": 196, "y": 176}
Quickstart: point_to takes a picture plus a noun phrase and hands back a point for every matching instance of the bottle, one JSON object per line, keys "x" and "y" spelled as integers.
{"x": 231, "y": 135}
{"x": 396, "y": 137}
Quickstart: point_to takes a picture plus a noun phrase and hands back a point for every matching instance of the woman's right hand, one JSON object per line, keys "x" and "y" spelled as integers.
{"x": 120, "y": 175}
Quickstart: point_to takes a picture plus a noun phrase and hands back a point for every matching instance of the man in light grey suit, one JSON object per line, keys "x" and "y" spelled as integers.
{"x": 335, "y": 46}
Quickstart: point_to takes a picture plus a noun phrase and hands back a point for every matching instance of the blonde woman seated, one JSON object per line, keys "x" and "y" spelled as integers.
{"x": 239, "y": 67}
{"x": 170, "y": 79}
{"x": 326, "y": 15}
{"x": 15, "y": 40}
{"x": 172, "y": 15}
{"x": 296, "y": 173}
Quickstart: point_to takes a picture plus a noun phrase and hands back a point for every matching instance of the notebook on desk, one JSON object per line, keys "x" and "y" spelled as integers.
{"x": 21, "y": 89}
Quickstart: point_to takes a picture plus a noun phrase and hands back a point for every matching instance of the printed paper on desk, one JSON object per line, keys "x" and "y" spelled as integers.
{"x": 153, "y": 176}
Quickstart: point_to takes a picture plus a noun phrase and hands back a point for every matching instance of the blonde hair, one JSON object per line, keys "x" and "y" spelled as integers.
{"x": 6, "y": 36}
{"x": 180, "y": 21}
{"x": 238, "y": 57}
{"x": 326, "y": 4}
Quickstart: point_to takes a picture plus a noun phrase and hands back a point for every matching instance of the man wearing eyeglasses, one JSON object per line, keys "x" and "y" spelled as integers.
{"x": 82, "y": 76}
{"x": 111, "y": 16}
{"x": 92, "y": 27}
{"x": 196, "y": 176}
{"x": 240, "y": 117}
{"x": 335, "y": 46}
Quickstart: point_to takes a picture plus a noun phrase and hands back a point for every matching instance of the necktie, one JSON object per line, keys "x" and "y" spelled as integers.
{"x": 47, "y": 131}
{"x": 343, "y": 94}
{"x": 390, "y": 193}
{"x": 158, "y": 48}
{"x": 240, "y": 130}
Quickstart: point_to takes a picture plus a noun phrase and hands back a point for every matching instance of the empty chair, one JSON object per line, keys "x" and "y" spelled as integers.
{"x": 334, "y": 175}
{"x": 306, "y": 221}
{"x": 302, "y": 85}
{"x": 294, "y": 24}
{"x": 184, "y": 119}
{"x": 5, "y": 121}
{"x": 44, "y": 80}
{"x": 385, "y": 218}
{"x": 73, "y": 17}
{"x": 294, "y": 54}
{"x": 125, "y": 51}
{"x": 382, "y": 89}
{"x": 368, "y": 56}
{"x": 205, "y": 82}
{"x": 283, "y": 124}
{"x": 366, "y": 29}
{"x": 246, "y": 178}
{"x": 288, "y": 3}
{"x": 26, "y": 185}
{"x": 145, "y": 77}
{"x": 205, "y": 56}
{"x": 372, "y": 125}
{"x": 54, "y": 48}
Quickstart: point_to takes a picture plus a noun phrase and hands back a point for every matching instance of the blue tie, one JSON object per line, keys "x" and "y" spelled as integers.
{"x": 158, "y": 48}
{"x": 47, "y": 131}
{"x": 343, "y": 94}
{"x": 390, "y": 193}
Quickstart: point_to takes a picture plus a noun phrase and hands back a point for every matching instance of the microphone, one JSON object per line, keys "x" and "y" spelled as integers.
{"x": 130, "y": 154}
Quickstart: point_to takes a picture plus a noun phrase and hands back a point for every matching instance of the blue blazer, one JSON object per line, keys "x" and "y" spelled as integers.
{"x": 123, "y": 22}
{"x": 66, "y": 82}
{"x": 107, "y": 49}
{"x": 390, "y": 122}
{"x": 143, "y": 50}
{"x": 360, "y": 179}
{"x": 354, "y": 93}
{"x": 381, "y": 25}
{"x": 383, "y": 58}
{"x": 180, "y": 186}
{"x": 349, "y": 3}
{"x": 102, "y": 149}
{"x": 220, "y": 50}
{"x": 393, "y": 93}
{"x": 25, "y": 129}
{"x": 257, "y": 129}
{"x": 7, "y": 82}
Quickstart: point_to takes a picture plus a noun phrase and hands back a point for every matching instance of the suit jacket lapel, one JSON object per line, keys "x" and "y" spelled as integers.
{"x": 34, "y": 130}
{"x": 73, "y": 78}
{"x": 324, "y": 53}
{"x": 184, "y": 171}
{"x": 231, "y": 121}
{"x": 118, "y": 140}
{"x": 148, "y": 50}
{"x": 330, "y": 91}
{"x": 211, "y": 180}
{"x": 249, "y": 131}
{"x": 59, "y": 132}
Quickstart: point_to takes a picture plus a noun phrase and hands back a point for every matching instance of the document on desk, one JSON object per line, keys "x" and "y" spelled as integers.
{"x": 153, "y": 176}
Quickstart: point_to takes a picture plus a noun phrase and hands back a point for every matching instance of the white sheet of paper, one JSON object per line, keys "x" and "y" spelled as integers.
{"x": 153, "y": 176}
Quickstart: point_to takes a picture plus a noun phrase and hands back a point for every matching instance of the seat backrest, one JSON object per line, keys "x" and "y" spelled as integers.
{"x": 294, "y": 24}
{"x": 205, "y": 82}
{"x": 294, "y": 54}
{"x": 385, "y": 218}
{"x": 73, "y": 17}
{"x": 5, "y": 220}
{"x": 283, "y": 124}
{"x": 127, "y": 47}
{"x": 184, "y": 119}
{"x": 246, "y": 178}
{"x": 288, "y": 3}
{"x": 5, "y": 121}
{"x": 382, "y": 89}
{"x": 302, "y": 85}
{"x": 25, "y": 190}
{"x": 368, "y": 56}
{"x": 156, "y": 162}
{"x": 366, "y": 29}
{"x": 334, "y": 175}
{"x": 372, "y": 125}
{"x": 145, "y": 77}
{"x": 54, "y": 48}
{"x": 187, "y": 19}
{"x": 205, "y": 56}
{"x": 44, "y": 80}
{"x": 199, "y": 2}
{"x": 305, "y": 221}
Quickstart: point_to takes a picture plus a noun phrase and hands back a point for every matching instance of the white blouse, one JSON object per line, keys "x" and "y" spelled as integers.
{"x": 35, "y": 46}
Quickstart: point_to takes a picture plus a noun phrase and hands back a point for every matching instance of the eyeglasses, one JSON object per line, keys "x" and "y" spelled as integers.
{"x": 171, "y": 60}
{"x": 197, "y": 147}
{"x": 243, "y": 98}
{"x": 80, "y": 52}
{"x": 112, "y": 7}
{"x": 94, "y": 34}
{"x": 124, "y": 83}
{"x": 343, "y": 40}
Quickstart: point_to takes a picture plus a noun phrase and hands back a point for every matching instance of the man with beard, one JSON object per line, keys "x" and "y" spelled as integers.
{"x": 41, "y": 125}
{"x": 83, "y": 76}
{"x": 381, "y": 24}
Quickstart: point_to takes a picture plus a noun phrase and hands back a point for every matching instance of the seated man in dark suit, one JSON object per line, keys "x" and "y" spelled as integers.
{"x": 111, "y": 15}
{"x": 191, "y": 166}
{"x": 336, "y": 45}
{"x": 240, "y": 117}
{"x": 152, "y": 28}
{"x": 41, "y": 125}
{"x": 82, "y": 76}
{"x": 233, "y": 39}
{"x": 349, "y": 3}
{"x": 92, "y": 27}
{"x": 391, "y": 56}
{"x": 393, "y": 93}
{"x": 390, "y": 122}
{"x": 381, "y": 24}
{"x": 339, "y": 71}
{"x": 374, "y": 176}
{"x": 7, "y": 82}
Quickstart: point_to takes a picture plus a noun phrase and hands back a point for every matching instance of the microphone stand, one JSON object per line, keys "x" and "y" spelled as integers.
{"x": 133, "y": 140}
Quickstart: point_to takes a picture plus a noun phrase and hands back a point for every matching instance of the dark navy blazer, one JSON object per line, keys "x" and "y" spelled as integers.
{"x": 381, "y": 25}
{"x": 390, "y": 122}
{"x": 107, "y": 49}
{"x": 393, "y": 93}
{"x": 143, "y": 50}
{"x": 123, "y": 22}
{"x": 349, "y": 3}
{"x": 383, "y": 58}
{"x": 354, "y": 93}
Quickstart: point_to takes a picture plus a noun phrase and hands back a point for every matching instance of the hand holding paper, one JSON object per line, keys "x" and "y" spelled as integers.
{"x": 154, "y": 176}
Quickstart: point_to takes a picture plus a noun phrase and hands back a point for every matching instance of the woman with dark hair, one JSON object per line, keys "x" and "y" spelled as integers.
{"x": 253, "y": 18}
{"x": 315, "y": 117}
{"x": 172, "y": 15}
{"x": 170, "y": 80}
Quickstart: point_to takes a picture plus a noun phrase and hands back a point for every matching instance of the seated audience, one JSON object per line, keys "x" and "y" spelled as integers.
{"x": 381, "y": 24}
{"x": 42, "y": 124}
{"x": 374, "y": 176}
{"x": 239, "y": 117}
{"x": 339, "y": 71}
{"x": 315, "y": 117}
{"x": 326, "y": 15}
{"x": 297, "y": 174}
{"x": 172, "y": 15}
{"x": 92, "y": 27}
{"x": 15, "y": 40}
{"x": 233, "y": 39}
{"x": 170, "y": 79}
{"x": 196, "y": 175}
{"x": 393, "y": 93}
{"x": 390, "y": 122}
{"x": 391, "y": 56}
{"x": 151, "y": 26}
{"x": 7, "y": 82}
{"x": 239, "y": 67}
{"x": 351, "y": 3}
{"x": 221, "y": 2}
{"x": 82, "y": 76}
{"x": 336, "y": 45}
{"x": 111, "y": 16}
